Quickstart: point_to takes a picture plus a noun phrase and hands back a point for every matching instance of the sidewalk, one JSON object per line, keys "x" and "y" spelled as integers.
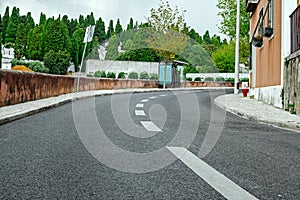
{"x": 258, "y": 111}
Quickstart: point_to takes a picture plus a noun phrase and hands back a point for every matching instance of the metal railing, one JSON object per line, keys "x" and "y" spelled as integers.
{"x": 295, "y": 30}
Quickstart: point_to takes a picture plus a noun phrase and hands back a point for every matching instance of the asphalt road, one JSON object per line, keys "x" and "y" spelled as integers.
{"x": 120, "y": 147}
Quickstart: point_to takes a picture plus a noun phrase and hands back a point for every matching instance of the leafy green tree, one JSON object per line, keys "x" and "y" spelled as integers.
{"x": 82, "y": 22}
{"x": 110, "y": 31}
{"x": 90, "y": 19}
{"x": 167, "y": 40}
{"x": 112, "y": 48}
{"x": 100, "y": 30}
{"x": 1, "y": 50}
{"x": 206, "y": 38}
{"x": 29, "y": 22}
{"x": 5, "y": 20}
{"x": 197, "y": 56}
{"x": 56, "y": 37}
{"x": 129, "y": 45}
{"x": 57, "y": 62}
{"x": 227, "y": 14}
{"x": 224, "y": 58}
{"x": 72, "y": 27}
{"x": 21, "y": 41}
{"x": 77, "y": 47}
{"x": 118, "y": 28}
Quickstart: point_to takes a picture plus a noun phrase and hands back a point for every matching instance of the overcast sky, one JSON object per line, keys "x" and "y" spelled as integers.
{"x": 201, "y": 14}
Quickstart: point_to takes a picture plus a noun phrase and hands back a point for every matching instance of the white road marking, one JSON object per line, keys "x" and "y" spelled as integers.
{"x": 163, "y": 95}
{"x": 145, "y": 100}
{"x": 154, "y": 97}
{"x": 150, "y": 126}
{"x": 140, "y": 105}
{"x": 140, "y": 113}
{"x": 218, "y": 181}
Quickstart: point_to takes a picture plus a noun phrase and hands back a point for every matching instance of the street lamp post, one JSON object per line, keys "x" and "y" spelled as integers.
{"x": 237, "y": 49}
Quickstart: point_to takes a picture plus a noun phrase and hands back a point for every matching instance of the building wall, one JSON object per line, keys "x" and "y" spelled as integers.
{"x": 269, "y": 56}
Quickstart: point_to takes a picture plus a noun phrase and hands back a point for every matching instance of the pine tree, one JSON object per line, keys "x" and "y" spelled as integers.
{"x": 5, "y": 23}
{"x": 206, "y": 38}
{"x": 34, "y": 44}
{"x": 100, "y": 30}
{"x": 42, "y": 19}
{"x": 130, "y": 25}
{"x": 82, "y": 22}
{"x": 21, "y": 41}
{"x": 110, "y": 31}
{"x": 77, "y": 47}
{"x": 72, "y": 26}
{"x": 118, "y": 28}
{"x": 90, "y": 20}
{"x": 10, "y": 35}
{"x": 29, "y": 22}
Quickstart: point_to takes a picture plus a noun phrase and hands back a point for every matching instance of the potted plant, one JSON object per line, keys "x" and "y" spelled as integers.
{"x": 257, "y": 41}
{"x": 268, "y": 32}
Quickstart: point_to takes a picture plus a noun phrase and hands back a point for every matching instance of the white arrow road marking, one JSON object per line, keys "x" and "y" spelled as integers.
{"x": 154, "y": 97}
{"x": 140, "y": 105}
{"x": 150, "y": 126}
{"x": 140, "y": 113}
{"x": 145, "y": 100}
{"x": 218, "y": 181}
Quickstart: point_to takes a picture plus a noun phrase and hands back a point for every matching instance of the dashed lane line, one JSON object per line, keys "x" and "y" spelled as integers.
{"x": 154, "y": 97}
{"x": 218, "y": 181}
{"x": 140, "y": 105}
{"x": 144, "y": 100}
{"x": 140, "y": 113}
{"x": 150, "y": 126}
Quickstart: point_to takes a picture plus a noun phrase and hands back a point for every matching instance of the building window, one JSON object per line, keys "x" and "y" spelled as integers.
{"x": 271, "y": 14}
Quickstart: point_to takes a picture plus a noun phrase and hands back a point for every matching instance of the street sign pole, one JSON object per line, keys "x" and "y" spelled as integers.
{"x": 87, "y": 38}
{"x": 237, "y": 49}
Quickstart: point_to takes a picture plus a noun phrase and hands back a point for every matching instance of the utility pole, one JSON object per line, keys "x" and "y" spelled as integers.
{"x": 237, "y": 49}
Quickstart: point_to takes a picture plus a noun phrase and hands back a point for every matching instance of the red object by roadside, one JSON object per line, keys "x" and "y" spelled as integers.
{"x": 245, "y": 92}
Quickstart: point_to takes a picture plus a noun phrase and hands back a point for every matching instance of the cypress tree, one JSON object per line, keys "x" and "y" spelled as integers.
{"x": 5, "y": 20}
{"x": 100, "y": 30}
{"x": 21, "y": 41}
{"x": 118, "y": 28}
{"x": 110, "y": 31}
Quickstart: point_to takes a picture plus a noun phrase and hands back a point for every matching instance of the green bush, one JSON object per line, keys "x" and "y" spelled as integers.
{"x": 89, "y": 75}
{"x": 244, "y": 80}
{"x": 153, "y": 76}
{"x": 15, "y": 62}
{"x": 121, "y": 75}
{"x": 38, "y": 67}
{"x": 133, "y": 75}
{"x": 111, "y": 75}
{"x": 100, "y": 74}
{"x": 229, "y": 80}
{"x": 189, "y": 79}
{"x": 220, "y": 79}
{"x": 209, "y": 79}
{"x": 144, "y": 75}
{"x": 58, "y": 62}
{"x": 198, "y": 79}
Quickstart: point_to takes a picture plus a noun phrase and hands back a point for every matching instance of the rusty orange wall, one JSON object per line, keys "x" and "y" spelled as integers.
{"x": 17, "y": 87}
{"x": 268, "y": 57}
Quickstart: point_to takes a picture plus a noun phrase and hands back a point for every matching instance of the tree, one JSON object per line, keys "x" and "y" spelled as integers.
{"x": 5, "y": 23}
{"x": 21, "y": 41}
{"x": 100, "y": 30}
{"x": 77, "y": 47}
{"x": 167, "y": 39}
{"x": 35, "y": 44}
{"x": 224, "y": 58}
{"x": 42, "y": 19}
{"x": 197, "y": 56}
{"x": 56, "y": 37}
{"x": 112, "y": 48}
{"x": 206, "y": 38}
{"x": 90, "y": 20}
{"x": 118, "y": 28}
{"x": 57, "y": 62}
{"x": 110, "y": 31}
{"x": 130, "y": 25}
{"x": 227, "y": 14}
{"x": 10, "y": 35}
{"x": 1, "y": 51}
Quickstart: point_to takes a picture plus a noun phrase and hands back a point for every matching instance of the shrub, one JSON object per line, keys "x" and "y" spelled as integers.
{"x": 111, "y": 75}
{"x": 154, "y": 76}
{"x": 229, "y": 80}
{"x": 15, "y": 62}
{"x": 38, "y": 67}
{"x": 57, "y": 62}
{"x": 121, "y": 75}
{"x": 198, "y": 79}
{"x": 220, "y": 79}
{"x": 100, "y": 74}
{"x": 144, "y": 75}
{"x": 209, "y": 79}
{"x": 244, "y": 80}
{"x": 133, "y": 75}
{"x": 89, "y": 75}
{"x": 189, "y": 79}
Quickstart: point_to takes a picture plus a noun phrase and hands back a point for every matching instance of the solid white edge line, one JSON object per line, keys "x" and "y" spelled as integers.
{"x": 140, "y": 113}
{"x": 150, "y": 126}
{"x": 218, "y": 181}
{"x": 139, "y": 105}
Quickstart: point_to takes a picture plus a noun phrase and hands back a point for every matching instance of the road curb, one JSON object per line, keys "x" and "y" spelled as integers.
{"x": 245, "y": 115}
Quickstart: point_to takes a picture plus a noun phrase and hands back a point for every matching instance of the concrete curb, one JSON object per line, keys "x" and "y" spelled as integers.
{"x": 18, "y": 111}
{"x": 289, "y": 121}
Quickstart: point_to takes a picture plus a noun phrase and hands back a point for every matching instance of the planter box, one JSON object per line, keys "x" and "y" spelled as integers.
{"x": 257, "y": 41}
{"x": 268, "y": 32}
